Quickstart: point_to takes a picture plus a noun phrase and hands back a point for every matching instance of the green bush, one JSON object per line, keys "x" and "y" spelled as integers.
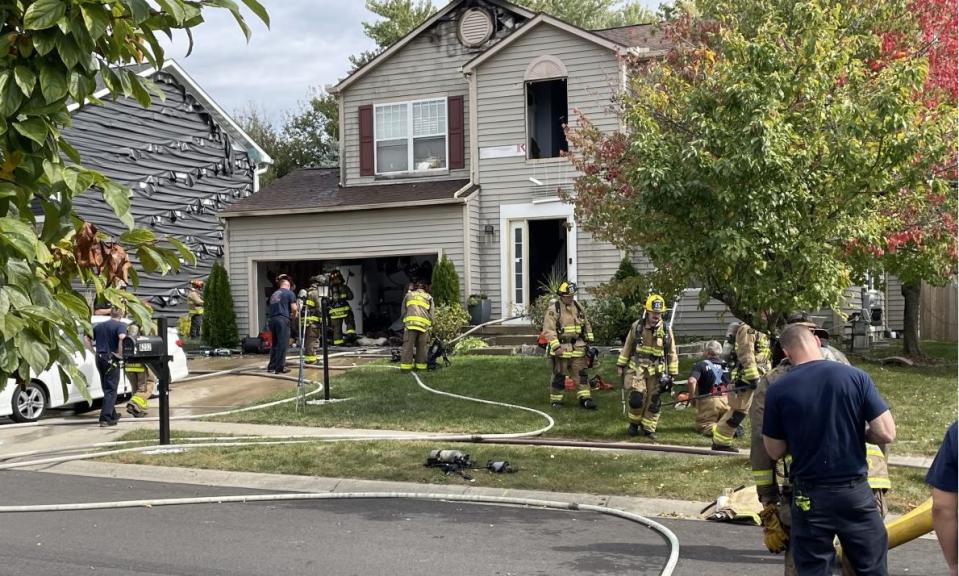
{"x": 468, "y": 344}
{"x": 445, "y": 283}
{"x": 183, "y": 326}
{"x": 611, "y": 319}
{"x": 536, "y": 312}
{"x": 449, "y": 320}
{"x": 219, "y": 321}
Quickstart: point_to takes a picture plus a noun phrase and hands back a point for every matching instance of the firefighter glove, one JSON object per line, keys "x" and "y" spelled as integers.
{"x": 774, "y": 535}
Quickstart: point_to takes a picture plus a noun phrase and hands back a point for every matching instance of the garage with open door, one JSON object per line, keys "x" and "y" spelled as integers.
{"x": 380, "y": 237}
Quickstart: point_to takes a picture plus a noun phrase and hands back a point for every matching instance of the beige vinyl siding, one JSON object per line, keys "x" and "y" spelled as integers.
{"x": 428, "y": 67}
{"x": 340, "y": 235}
{"x": 501, "y": 109}
{"x": 895, "y": 303}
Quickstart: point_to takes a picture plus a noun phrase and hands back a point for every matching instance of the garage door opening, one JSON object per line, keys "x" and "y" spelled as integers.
{"x": 378, "y": 285}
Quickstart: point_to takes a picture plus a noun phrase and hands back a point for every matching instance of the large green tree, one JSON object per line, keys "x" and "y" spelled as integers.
{"x": 52, "y": 53}
{"x": 761, "y": 147}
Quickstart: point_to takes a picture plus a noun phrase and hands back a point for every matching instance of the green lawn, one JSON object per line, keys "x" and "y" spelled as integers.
{"x": 922, "y": 399}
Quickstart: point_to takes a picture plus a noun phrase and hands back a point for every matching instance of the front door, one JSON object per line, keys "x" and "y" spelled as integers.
{"x": 538, "y": 258}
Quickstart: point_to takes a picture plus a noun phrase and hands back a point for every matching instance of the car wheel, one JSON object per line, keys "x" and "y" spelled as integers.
{"x": 29, "y": 403}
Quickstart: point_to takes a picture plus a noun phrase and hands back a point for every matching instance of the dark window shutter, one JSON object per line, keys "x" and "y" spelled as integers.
{"x": 457, "y": 134}
{"x": 366, "y": 140}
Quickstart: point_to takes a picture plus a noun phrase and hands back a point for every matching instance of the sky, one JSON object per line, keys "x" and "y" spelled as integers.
{"x": 308, "y": 45}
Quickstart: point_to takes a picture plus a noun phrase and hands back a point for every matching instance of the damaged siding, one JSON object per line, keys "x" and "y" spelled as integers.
{"x": 181, "y": 168}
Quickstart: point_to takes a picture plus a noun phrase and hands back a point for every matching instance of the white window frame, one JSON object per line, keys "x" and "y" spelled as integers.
{"x": 411, "y": 169}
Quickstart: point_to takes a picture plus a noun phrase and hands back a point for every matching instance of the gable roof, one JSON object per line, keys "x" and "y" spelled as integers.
{"x": 649, "y": 36}
{"x": 312, "y": 190}
{"x": 258, "y": 154}
{"x": 399, "y": 44}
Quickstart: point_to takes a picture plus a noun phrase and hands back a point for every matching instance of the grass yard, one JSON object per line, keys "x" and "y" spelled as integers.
{"x": 923, "y": 400}
{"x": 538, "y": 468}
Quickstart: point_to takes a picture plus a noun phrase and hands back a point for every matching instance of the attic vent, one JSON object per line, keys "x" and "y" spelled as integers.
{"x": 476, "y": 27}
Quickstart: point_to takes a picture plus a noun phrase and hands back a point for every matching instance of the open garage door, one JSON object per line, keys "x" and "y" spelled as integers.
{"x": 378, "y": 285}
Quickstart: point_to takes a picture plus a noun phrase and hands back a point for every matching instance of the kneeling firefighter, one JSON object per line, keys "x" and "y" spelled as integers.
{"x": 568, "y": 334}
{"x": 649, "y": 353}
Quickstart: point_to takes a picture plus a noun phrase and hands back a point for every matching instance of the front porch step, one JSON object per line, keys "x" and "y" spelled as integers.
{"x": 494, "y": 351}
{"x": 511, "y": 339}
{"x": 498, "y": 329}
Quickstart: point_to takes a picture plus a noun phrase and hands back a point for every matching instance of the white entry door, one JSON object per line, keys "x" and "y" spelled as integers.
{"x": 519, "y": 256}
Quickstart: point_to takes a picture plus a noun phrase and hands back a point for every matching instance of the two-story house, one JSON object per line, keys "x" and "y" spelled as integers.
{"x": 451, "y": 144}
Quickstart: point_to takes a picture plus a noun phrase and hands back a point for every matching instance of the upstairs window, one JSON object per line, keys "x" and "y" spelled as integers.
{"x": 410, "y": 136}
{"x": 546, "y": 116}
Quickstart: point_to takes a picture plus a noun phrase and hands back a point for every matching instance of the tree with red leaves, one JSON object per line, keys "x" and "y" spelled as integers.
{"x": 919, "y": 243}
{"x": 763, "y": 153}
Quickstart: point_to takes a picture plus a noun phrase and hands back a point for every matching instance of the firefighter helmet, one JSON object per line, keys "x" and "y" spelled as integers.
{"x": 655, "y": 303}
{"x": 336, "y": 277}
{"x": 566, "y": 289}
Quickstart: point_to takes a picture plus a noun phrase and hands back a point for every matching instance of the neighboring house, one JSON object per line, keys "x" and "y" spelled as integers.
{"x": 183, "y": 159}
{"x": 451, "y": 144}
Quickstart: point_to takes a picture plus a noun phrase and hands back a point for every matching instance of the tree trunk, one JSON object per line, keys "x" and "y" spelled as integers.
{"x": 910, "y": 320}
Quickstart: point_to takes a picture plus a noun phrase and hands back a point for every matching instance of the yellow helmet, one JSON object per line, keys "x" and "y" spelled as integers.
{"x": 567, "y": 289}
{"x": 656, "y": 303}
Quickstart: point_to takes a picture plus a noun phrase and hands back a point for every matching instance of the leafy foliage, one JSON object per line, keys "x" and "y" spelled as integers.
{"x": 449, "y": 320}
{"x": 468, "y": 344}
{"x": 52, "y": 53}
{"x": 782, "y": 124}
{"x": 445, "y": 282}
{"x": 219, "y": 321}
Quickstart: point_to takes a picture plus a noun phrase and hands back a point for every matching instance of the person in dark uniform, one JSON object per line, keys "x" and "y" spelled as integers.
{"x": 282, "y": 311}
{"x": 823, "y": 413}
{"x": 108, "y": 340}
{"x": 942, "y": 478}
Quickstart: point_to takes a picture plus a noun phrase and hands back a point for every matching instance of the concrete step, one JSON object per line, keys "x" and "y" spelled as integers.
{"x": 511, "y": 339}
{"x": 494, "y": 351}
{"x": 498, "y": 329}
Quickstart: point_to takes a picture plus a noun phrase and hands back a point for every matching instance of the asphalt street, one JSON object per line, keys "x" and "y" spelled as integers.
{"x": 361, "y": 537}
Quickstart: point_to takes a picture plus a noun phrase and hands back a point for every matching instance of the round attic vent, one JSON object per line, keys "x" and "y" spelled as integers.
{"x": 476, "y": 27}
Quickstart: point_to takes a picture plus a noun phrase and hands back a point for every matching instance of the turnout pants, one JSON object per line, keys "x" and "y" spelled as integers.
{"x": 415, "y": 344}
{"x": 643, "y": 398}
{"x": 738, "y": 408}
{"x": 709, "y": 411}
{"x": 311, "y": 343}
{"x": 575, "y": 369}
{"x": 140, "y": 382}
{"x": 196, "y": 321}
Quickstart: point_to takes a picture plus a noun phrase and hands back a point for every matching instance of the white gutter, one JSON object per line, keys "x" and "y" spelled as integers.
{"x": 348, "y": 208}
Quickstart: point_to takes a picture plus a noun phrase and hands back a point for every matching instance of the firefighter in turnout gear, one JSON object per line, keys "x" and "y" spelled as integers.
{"x": 568, "y": 335}
{"x": 310, "y": 316}
{"x": 772, "y": 477}
{"x": 647, "y": 364}
{"x": 140, "y": 384}
{"x": 195, "y": 298}
{"x": 418, "y": 321}
{"x": 340, "y": 311}
{"x": 752, "y": 362}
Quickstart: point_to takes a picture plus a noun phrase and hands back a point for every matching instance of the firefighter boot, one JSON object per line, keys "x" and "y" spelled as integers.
{"x": 633, "y": 429}
{"x": 723, "y": 448}
{"x": 587, "y": 403}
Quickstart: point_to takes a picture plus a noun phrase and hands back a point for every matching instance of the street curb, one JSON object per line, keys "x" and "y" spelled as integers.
{"x": 290, "y": 483}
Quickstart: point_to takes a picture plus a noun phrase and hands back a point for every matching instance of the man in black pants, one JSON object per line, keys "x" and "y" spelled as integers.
{"x": 823, "y": 413}
{"x": 282, "y": 311}
{"x": 107, "y": 338}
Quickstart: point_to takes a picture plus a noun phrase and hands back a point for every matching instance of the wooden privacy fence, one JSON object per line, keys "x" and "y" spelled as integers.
{"x": 938, "y": 311}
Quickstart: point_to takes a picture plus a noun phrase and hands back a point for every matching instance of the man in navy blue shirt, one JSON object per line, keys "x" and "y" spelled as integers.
{"x": 822, "y": 413}
{"x": 282, "y": 311}
{"x": 942, "y": 476}
{"x": 107, "y": 339}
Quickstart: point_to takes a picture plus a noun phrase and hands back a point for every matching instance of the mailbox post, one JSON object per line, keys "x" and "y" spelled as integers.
{"x": 154, "y": 352}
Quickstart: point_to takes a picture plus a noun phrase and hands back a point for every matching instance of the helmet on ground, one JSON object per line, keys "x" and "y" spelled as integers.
{"x": 656, "y": 303}
{"x": 566, "y": 289}
{"x": 197, "y": 283}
